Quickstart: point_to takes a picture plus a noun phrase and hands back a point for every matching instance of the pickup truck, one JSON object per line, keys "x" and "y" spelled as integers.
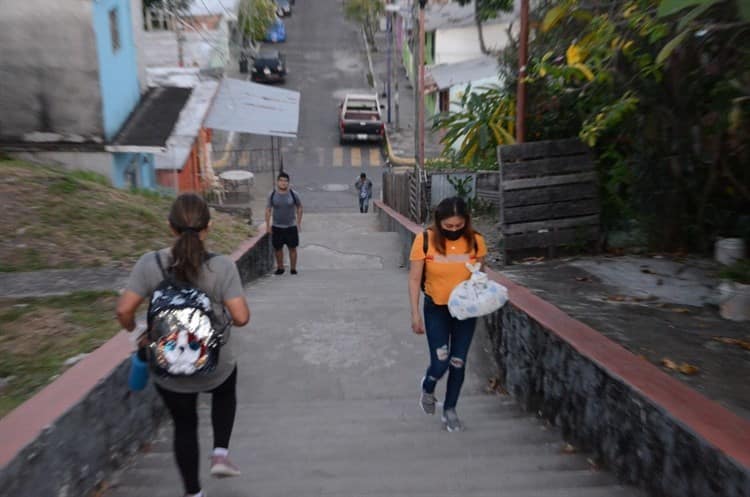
{"x": 360, "y": 119}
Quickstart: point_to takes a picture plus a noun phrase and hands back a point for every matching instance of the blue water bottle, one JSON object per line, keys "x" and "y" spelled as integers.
{"x": 138, "y": 370}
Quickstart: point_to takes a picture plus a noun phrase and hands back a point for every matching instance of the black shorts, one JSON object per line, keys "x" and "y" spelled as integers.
{"x": 284, "y": 236}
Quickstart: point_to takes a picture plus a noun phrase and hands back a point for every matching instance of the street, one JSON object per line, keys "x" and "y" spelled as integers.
{"x": 325, "y": 59}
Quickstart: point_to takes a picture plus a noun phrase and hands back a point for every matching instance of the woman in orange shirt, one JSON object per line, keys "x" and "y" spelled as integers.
{"x": 451, "y": 244}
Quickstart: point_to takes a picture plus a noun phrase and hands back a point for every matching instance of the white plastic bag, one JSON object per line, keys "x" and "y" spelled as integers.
{"x": 477, "y": 296}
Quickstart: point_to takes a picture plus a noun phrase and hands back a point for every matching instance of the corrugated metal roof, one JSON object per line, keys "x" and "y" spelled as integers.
{"x": 186, "y": 130}
{"x": 445, "y": 76}
{"x": 153, "y": 119}
{"x": 247, "y": 107}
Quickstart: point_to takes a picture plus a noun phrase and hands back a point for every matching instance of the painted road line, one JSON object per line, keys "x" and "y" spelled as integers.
{"x": 338, "y": 157}
{"x": 320, "y": 152}
{"x": 356, "y": 156}
{"x": 375, "y": 160}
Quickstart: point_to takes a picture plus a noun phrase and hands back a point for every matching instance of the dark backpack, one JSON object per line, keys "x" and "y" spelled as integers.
{"x": 295, "y": 198}
{"x": 426, "y": 245}
{"x": 182, "y": 328}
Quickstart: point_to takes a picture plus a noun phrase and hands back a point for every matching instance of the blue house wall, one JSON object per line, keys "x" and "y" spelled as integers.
{"x": 134, "y": 170}
{"x": 118, "y": 67}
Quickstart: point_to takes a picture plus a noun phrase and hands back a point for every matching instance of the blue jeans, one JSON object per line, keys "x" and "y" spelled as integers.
{"x": 364, "y": 203}
{"x": 449, "y": 340}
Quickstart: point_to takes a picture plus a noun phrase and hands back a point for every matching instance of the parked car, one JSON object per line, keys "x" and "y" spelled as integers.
{"x": 277, "y": 32}
{"x": 269, "y": 66}
{"x": 360, "y": 119}
{"x": 283, "y": 8}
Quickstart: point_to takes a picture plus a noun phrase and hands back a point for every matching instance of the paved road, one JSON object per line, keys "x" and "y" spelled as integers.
{"x": 326, "y": 59}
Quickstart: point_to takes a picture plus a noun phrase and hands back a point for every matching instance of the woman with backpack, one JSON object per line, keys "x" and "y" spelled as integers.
{"x": 188, "y": 266}
{"x": 438, "y": 264}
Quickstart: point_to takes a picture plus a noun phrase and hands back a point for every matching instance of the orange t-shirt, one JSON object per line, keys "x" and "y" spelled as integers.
{"x": 444, "y": 272}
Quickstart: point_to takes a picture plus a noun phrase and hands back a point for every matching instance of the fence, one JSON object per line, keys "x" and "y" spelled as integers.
{"x": 548, "y": 195}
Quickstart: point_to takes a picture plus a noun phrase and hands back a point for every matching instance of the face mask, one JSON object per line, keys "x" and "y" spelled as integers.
{"x": 452, "y": 235}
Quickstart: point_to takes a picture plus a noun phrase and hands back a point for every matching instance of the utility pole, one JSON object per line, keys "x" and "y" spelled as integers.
{"x": 389, "y": 27}
{"x": 420, "y": 107}
{"x": 180, "y": 38}
{"x": 523, "y": 57}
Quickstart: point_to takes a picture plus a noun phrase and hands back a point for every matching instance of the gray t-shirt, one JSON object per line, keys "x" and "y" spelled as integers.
{"x": 220, "y": 280}
{"x": 284, "y": 208}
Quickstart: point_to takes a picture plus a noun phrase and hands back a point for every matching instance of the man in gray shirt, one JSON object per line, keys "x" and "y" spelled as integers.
{"x": 285, "y": 207}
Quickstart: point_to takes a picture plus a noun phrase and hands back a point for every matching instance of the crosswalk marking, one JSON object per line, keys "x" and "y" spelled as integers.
{"x": 374, "y": 157}
{"x": 338, "y": 157}
{"x": 321, "y": 156}
{"x": 347, "y": 156}
{"x": 356, "y": 157}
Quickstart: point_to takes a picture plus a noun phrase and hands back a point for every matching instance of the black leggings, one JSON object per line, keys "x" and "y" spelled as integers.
{"x": 184, "y": 411}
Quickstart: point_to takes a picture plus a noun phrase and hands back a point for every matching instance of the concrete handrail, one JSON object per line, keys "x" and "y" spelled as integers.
{"x": 679, "y": 442}
{"x": 65, "y": 438}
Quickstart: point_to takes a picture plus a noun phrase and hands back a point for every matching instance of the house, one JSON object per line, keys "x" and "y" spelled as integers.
{"x": 197, "y": 36}
{"x": 451, "y": 46}
{"x": 71, "y": 89}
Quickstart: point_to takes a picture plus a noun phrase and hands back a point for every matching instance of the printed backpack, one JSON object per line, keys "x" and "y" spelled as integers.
{"x": 182, "y": 328}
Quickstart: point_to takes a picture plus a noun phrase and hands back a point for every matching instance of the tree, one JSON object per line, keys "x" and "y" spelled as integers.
{"x": 366, "y": 13}
{"x": 662, "y": 94}
{"x": 255, "y": 18}
{"x": 484, "y": 10}
{"x": 484, "y": 121}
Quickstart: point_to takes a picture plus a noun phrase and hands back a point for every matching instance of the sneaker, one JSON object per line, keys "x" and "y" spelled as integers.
{"x": 222, "y": 466}
{"x": 427, "y": 401}
{"x": 452, "y": 423}
{"x": 293, "y": 271}
{"x": 279, "y": 271}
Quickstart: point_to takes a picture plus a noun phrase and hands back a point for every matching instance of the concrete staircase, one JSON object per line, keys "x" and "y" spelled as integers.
{"x": 328, "y": 386}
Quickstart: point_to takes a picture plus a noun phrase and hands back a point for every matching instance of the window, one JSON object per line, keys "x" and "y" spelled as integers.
{"x": 114, "y": 30}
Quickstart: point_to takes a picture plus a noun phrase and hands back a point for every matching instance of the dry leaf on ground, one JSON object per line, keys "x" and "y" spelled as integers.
{"x": 569, "y": 449}
{"x": 745, "y": 344}
{"x": 684, "y": 368}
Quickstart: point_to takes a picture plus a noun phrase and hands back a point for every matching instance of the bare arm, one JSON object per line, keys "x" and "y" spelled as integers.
{"x": 299, "y": 217}
{"x": 126, "y": 307}
{"x": 268, "y": 219}
{"x": 415, "y": 280}
{"x": 239, "y": 311}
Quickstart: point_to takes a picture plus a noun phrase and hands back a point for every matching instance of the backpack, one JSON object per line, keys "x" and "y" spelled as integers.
{"x": 425, "y": 246}
{"x": 182, "y": 328}
{"x": 295, "y": 198}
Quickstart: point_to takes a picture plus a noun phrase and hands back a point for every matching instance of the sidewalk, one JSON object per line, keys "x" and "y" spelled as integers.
{"x": 401, "y": 134}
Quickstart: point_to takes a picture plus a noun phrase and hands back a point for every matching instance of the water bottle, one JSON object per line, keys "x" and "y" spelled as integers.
{"x": 138, "y": 370}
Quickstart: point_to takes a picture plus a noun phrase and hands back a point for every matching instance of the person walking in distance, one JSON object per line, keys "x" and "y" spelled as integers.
{"x": 438, "y": 258}
{"x": 188, "y": 264}
{"x": 285, "y": 208}
{"x": 364, "y": 192}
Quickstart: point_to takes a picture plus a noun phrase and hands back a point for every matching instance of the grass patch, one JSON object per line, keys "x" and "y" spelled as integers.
{"x": 38, "y": 335}
{"x": 65, "y": 219}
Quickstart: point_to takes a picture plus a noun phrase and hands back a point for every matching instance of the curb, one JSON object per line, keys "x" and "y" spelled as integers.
{"x": 392, "y": 158}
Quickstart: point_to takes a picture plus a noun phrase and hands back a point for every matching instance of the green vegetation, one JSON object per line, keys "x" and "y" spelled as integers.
{"x": 738, "y": 272}
{"x": 37, "y": 336}
{"x": 366, "y": 13}
{"x": 659, "y": 90}
{"x": 61, "y": 219}
{"x": 255, "y": 17}
{"x": 64, "y": 219}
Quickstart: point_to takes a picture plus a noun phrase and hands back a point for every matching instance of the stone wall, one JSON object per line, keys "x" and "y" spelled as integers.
{"x": 647, "y": 427}
{"x": 67, "y": 439}
{"x": 85, "y": 444}
{"x": 597, "y": 412}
